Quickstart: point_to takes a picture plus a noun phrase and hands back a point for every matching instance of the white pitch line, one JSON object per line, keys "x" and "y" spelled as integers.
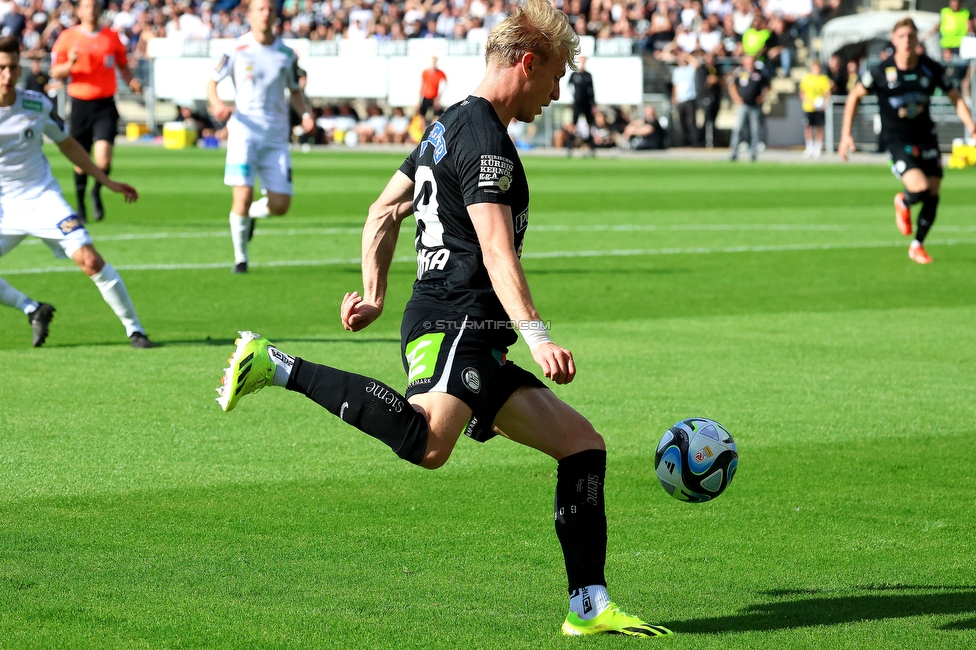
{"x": 635, "y": 252}
{"x": 302, "y": 232}
{"x": 705, "y": 250}
{"x": 153, "y": 236}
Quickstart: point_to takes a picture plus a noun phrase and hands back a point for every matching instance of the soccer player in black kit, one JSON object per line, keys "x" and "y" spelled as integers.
{"x": 467, "y": 189}
{"x": 584, "y": 101}
{"x": 904, "y": 83}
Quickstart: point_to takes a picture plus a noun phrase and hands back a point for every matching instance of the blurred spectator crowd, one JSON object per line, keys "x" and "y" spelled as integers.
{"x": 702, "y": 40}
{"x": 662, "y": 26}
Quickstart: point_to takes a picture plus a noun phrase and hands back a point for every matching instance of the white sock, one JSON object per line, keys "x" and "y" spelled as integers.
{"x": 817, "y": 145}
{"x": 110, "y": 283}
{"x": 240, "y": 227}
{"x": 589, "y": 602}
{"x": 809, "y": 145}
{"x": 259, "y": 209}
{"x": 16, "y": 299}
{"x": 283, "y": 365}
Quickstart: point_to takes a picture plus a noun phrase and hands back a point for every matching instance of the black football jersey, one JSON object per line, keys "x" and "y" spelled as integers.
{"x": 903, "y": 97}
{"x": 582, "y": 83}
{"x": 466, "y": 157}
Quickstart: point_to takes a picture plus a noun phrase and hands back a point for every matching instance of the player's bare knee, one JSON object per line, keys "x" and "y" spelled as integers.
{"x": 436, "y": 458}
{"x": 580, "y": 436}
{"x": 438, "y": 451}
{"x": 89, "y": 261}
{"x": 592, "y": 439}
{"x": 94, "y": 265}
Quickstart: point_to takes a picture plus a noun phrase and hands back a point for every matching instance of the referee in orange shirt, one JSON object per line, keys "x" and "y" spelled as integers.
{"x": 90, "y": 55}
{"x": 432, "y": 84}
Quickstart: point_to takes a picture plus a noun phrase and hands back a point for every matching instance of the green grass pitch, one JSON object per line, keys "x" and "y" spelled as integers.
{"x": 776, "y": 299}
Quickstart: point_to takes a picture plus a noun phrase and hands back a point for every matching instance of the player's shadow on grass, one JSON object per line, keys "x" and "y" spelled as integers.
{"x": 787, "y": 614}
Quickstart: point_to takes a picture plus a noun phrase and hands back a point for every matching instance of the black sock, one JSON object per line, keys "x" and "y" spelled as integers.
{"x": 926, "y": 216}
{"x": 911, "y": 198}
{"x": 97, "y": 188}
{"x": 581, "y": 520}
{"x": 81, "y": 180}
{"x": 368, "y": 405}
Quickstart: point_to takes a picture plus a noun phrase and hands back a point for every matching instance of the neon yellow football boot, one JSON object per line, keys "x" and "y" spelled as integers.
{"x": 250, "y": 369}
{"x": 613, "y": 620}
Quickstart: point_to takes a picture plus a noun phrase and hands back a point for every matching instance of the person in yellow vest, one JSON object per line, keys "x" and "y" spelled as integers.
{"x": 754, "y": 39}
{"x": 953, "y": 26}
{"x": 814, "y": 93}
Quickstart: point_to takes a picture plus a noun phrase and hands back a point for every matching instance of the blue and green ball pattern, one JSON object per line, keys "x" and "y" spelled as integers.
{"x": 696, "y": 460}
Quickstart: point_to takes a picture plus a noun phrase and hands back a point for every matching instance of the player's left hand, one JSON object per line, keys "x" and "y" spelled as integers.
{"x": 357, "y": 313}
{"x": 845, "y": 146}
{"x": 127, "y": 190}
{"x": 308, "y": 123}
{"x": 136, "y": 86}
{"x": 556, "y": 362}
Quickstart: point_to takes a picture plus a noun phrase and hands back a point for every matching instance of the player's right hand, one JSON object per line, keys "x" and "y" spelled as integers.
{"x": 357, "y": 313}
{"x": 221, "y": 111}
{"x": 556, "y": 362}
{"x": 845, "y": 146}
{"x": 127, "y": 190}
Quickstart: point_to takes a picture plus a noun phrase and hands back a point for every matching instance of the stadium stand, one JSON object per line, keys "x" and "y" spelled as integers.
{"x": 783, "y": 33}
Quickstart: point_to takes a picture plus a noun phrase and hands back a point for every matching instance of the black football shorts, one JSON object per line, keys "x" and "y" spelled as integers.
{"x": 93, "y": 120}
{"x": 813, "y": 118}
{"x": 915, "y": 156}
{"x": 462, "y": 358}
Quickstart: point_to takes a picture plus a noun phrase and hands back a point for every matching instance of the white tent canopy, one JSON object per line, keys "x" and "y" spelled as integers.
{"x": 876, "y": 25}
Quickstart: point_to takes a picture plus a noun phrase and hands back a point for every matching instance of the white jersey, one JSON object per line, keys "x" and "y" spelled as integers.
{"x": 25, "y": 173}
{"x": 261, "y": 74}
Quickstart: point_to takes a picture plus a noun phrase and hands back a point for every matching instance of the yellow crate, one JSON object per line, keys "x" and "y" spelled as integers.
{"x": 177, "y": 135}
{"x": 134, "y": 131}
{"x": 957, "y": 162}
{"x": 964, "y": 152}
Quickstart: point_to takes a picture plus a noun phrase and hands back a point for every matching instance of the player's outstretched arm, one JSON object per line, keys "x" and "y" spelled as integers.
{"x": 846, "y": 144}
{"x": 493, "y": 223}
{"x": 77, "y": 155}
{"x": 380, "y": 235}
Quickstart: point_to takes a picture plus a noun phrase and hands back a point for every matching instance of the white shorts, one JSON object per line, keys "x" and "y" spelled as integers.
{"x": 47, "y": 217}
{"x": 249, "y": 157}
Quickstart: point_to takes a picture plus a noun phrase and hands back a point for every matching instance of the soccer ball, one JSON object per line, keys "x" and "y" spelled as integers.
{"x": 696, "y": 460}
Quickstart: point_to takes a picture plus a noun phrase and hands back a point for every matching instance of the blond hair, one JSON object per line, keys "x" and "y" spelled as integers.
{"x": 536, "y": 27}
{"x": 905, "y": 22}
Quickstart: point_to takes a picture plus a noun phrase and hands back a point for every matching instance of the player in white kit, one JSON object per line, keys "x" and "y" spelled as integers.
{"x": 31, "y": 201}
{"x": 258, "y": 129}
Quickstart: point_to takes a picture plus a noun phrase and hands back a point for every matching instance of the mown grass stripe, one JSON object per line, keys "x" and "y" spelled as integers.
{"x": 634, "y": 252}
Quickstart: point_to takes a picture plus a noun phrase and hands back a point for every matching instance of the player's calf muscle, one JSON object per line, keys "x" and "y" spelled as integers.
{"x": 278, "y": 205}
